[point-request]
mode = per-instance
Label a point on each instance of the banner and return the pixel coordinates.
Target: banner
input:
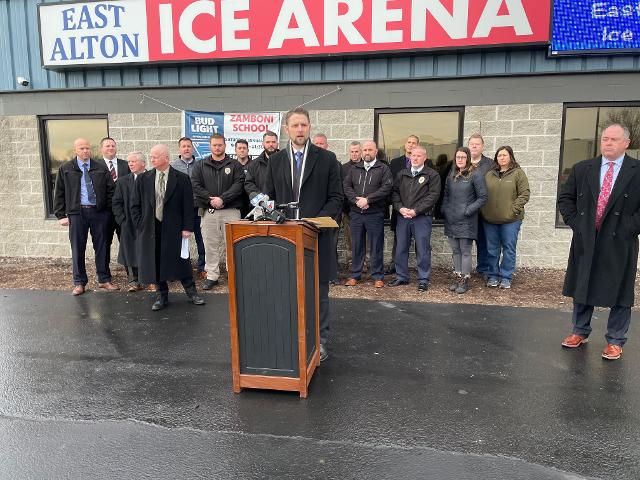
(149, 31)
(595, 27)
(251, 127)
(199, 126)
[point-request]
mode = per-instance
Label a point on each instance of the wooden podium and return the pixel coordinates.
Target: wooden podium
(273, 304)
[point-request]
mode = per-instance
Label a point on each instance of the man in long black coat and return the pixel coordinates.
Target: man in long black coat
(121, 207)
(162, 210)
(601, 203)
(304, 173)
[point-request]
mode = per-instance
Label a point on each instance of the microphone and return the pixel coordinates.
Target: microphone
(264, 209)
(262, 200)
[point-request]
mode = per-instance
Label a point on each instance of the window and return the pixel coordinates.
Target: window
(582, 127)
(57, 134)
(440, 131)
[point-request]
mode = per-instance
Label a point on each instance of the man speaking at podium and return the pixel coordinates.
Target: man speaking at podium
(309, 175)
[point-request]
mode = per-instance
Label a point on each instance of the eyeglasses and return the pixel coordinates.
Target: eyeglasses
(463, 157)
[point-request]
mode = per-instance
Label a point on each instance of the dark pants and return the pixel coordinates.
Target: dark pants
(80, 224)
(482, 265)
(197, 233)
(323, 288)
(419, 228)
(335, 233)
(112, 227)
(162, 287)
(132, 273)
(394, 247)
(617, 325)
(362, 225)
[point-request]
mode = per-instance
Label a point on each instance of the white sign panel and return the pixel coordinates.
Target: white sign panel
(250, 127)
(108, 32)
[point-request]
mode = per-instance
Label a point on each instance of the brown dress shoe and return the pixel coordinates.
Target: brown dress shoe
(151, 287)
(202, 274)
(77, 290)
(351, 282)
(573, 340)
(107, 287)
(612, 352)
(378, 283)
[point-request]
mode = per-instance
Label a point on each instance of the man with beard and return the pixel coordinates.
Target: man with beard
(367, 186)
(217, 184)
(309, 175)
(256, 176)
(242, 157)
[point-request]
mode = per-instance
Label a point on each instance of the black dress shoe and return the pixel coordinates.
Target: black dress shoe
(209, 284)
(324, 353)
(159, 305)
(423, 286)
(396, 282)
(196, 300)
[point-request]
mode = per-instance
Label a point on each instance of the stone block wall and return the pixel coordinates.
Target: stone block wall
(532, 130)
(24, 231)
(534, 133)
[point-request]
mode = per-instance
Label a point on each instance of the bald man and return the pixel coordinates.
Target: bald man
(82, 202)
(162, 211)
(367, 187)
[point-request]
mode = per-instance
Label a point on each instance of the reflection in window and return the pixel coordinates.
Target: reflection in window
(439, 131)
(582, 128)
(58, 135)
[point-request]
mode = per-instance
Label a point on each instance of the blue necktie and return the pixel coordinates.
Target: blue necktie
(298, 161)
(296, 176)
(91, 194)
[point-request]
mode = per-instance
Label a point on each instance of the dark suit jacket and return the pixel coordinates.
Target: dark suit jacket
(66, 199)
(397, 165)
(121, 206)
(177, 215)
(320, 194)
(602, 264)
(122, 167)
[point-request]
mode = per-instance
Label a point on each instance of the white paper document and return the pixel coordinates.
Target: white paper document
(184, 252)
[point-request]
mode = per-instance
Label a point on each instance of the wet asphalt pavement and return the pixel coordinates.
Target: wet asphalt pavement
(101, 387)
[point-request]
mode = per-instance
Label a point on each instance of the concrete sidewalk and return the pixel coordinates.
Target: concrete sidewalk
(101, 387)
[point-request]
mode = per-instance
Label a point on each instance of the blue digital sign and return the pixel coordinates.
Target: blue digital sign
(581, 26)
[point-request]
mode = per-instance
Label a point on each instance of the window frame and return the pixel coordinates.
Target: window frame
(45, 161)
(565, 106)
(455, 108)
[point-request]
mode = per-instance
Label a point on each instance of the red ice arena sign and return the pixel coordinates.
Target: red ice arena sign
(151, 31)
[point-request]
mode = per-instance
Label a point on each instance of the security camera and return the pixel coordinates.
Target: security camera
(22, 81)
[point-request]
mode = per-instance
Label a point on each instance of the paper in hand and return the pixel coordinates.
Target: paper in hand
(184, 252)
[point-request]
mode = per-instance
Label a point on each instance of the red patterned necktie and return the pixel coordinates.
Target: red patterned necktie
(114, 174)
(605, 191)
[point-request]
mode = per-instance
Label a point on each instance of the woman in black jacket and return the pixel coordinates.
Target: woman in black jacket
(464, 193)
